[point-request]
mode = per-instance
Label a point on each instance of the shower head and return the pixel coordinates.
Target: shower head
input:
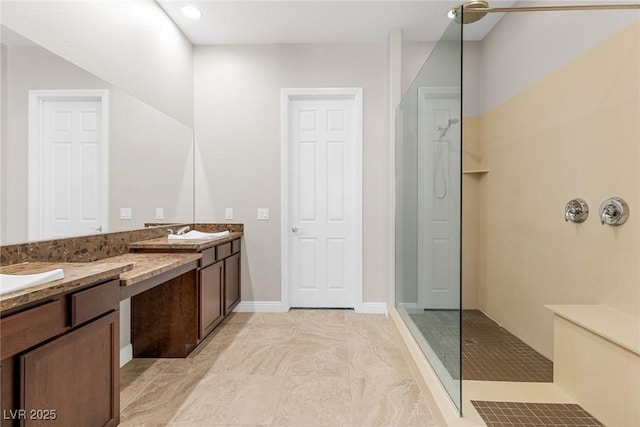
(471, 11)
(443, 130)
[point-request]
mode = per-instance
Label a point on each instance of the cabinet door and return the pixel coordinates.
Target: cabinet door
(211, 309)
(231, 282)
(75, 379)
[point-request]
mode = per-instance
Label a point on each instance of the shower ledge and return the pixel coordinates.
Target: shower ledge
(620, 328)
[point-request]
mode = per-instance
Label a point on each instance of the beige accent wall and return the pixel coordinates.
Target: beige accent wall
(473, 210)
(573, 133)
(237, 122)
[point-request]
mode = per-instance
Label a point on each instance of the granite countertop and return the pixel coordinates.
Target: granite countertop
(76, 275)
(163, 243)
(147, 265)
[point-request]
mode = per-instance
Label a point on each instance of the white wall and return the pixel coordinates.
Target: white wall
(524, 47)
(3, 135)
(133, 45)
(237, 122)
(414, 55)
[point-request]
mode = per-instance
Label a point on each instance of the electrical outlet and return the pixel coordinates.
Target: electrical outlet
(125, 213)
(159, 213)
(228, 213)
(263, 213)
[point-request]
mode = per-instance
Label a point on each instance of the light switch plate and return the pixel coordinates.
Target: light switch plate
(263, 214)
(228, 213)
(125, 213)
(159, 213)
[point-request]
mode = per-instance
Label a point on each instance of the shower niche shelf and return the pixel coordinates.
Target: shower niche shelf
(476, 172)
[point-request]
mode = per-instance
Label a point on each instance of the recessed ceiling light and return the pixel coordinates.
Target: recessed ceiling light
(191, 12)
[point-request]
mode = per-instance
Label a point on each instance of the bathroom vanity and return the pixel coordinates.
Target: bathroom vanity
(59, 341)
(59, 347)
(192, 305)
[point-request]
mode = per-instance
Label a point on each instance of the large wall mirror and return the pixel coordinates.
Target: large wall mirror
(80, 156)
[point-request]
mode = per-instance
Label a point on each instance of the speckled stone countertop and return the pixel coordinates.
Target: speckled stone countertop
(146, 266)
(163, 243)
(76, 275)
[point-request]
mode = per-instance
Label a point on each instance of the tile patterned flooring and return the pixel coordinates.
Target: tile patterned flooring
(489, 352)
(302, 368)
(499, 414)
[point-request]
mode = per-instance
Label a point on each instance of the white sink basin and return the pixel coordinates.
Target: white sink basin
(16, 282)
(197, 235)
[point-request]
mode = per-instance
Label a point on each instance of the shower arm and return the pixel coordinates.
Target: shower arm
(547, 8)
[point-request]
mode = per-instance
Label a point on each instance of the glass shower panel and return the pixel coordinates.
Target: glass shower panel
(428, 225)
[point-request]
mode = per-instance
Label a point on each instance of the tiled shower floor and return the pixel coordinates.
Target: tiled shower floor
(499, 414)
(489, 352)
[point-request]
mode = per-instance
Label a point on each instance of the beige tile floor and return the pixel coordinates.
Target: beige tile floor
(302, 368)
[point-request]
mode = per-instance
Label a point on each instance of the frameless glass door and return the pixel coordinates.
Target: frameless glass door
(428, 217)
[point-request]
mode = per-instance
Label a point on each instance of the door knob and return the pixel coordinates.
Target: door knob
(295, 229)
(98, 228)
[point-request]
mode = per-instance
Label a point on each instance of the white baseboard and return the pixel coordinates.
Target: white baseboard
(278, 307)
(126, 354)
(409, 307)
(260, 307)
(372, 308)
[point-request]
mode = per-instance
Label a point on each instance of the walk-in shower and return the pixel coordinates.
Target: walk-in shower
(482, 245)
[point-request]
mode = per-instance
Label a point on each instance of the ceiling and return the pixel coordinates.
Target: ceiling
(313, 21)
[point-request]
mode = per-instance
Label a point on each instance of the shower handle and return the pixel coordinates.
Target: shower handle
(614, 211)
(576, 211)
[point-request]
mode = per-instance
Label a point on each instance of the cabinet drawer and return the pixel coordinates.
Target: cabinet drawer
(223, 251)
(23, 330)
(208, 257)
(94, 302)
(235, 246)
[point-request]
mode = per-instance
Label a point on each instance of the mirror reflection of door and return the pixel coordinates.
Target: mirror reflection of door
(67, 163)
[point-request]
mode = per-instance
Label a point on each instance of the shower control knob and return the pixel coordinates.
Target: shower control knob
(576, 211)
(614, 211)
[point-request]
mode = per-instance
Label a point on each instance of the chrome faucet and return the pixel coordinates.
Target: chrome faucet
(179, 231)
(183, 230)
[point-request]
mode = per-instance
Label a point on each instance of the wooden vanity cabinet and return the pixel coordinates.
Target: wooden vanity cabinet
(211, 289)
(232, 281)
(214, 295)
(60, 360)
(219, 284)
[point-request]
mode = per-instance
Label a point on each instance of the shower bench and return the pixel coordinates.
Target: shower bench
(596, 360)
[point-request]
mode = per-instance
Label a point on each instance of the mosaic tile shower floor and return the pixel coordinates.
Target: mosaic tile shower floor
(502, 414)
(489, 352)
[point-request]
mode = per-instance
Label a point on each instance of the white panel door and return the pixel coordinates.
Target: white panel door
(439, 181)
(72, 169)
(322, 188)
